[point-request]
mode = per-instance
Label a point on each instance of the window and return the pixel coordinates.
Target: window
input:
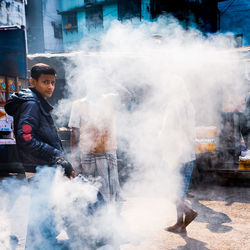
(70, 21)
(57, 30)
(238, 40)
(129, 9)
(94, 17)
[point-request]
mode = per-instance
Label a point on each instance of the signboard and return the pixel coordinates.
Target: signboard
(13, 52)
(6, 133)
(5, 121)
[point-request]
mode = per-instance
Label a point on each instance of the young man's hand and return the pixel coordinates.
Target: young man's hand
(66, 165)
(73, 174)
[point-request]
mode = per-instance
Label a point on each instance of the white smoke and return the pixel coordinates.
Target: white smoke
(69, 210)
(4, 232)
(159, 69)
(156, 77)
(150, 73)
(13, 209)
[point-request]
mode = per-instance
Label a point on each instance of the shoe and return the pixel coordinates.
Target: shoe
(190, 195)
(180, 229)
(189, 217)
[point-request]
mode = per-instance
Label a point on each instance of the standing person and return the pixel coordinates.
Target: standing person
(93, 141)
(37, 140)
(179, 124)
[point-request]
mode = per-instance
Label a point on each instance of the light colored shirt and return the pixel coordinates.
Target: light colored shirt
(96, 121)
(179, 130)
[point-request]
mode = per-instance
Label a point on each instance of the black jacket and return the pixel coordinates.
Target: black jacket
(37, 140)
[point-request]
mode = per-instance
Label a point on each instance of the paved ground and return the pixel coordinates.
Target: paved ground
(223, 221)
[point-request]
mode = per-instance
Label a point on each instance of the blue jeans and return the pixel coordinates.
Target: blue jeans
(186, 173)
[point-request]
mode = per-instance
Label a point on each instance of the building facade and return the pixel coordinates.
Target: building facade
(235, 17)
(12, 12)
(44, 26)
(86, 19)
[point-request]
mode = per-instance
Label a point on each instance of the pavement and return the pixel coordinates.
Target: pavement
(223, 221)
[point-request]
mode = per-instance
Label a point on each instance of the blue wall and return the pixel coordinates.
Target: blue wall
(71, 4)
(236, 18)
(110, 13)
(34, 27)
(72, 38)
(145, 10)
(41, 16)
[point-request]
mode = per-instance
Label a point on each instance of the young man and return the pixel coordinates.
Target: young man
(38, 144)
(93, 141)
(37, 140)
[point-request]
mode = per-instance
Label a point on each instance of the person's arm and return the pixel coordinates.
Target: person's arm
(75, 138)
(27, 127)
(27, 136)
(75, 150)
(74, 124)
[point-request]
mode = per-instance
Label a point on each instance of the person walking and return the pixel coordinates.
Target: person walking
(179, 129)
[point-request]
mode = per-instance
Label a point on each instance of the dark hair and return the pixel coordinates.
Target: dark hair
(41, 68)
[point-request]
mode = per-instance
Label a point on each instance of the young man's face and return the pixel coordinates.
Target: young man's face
(45, 85)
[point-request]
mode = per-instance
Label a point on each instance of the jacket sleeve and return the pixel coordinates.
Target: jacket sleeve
(27, 129)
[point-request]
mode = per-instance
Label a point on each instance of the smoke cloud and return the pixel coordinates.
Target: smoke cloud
(156, 69)
(166, 80)
(160, 72)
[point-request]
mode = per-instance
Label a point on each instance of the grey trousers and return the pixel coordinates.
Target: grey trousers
(103, 166)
